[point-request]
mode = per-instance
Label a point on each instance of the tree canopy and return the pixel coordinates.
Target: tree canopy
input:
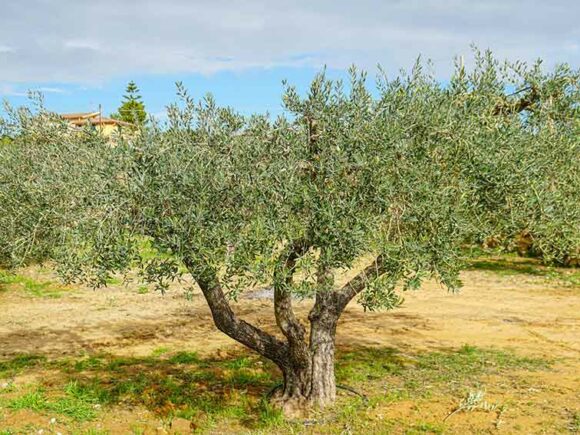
(392, 183)
(132, 109)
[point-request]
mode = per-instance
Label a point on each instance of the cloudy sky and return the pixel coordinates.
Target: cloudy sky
(81, 53)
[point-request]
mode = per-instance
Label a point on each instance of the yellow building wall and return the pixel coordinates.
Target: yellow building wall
(107, 129)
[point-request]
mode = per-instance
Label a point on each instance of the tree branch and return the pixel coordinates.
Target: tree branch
(286, 320)
(519, 106)
(359, 283)
(226, 321)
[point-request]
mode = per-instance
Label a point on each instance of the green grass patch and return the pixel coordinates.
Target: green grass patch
(455, 372)
(425, 428)
(238, 363)
(216, 393)
(76, 403)
(113, 280)
(416, 376)
(33, 401)
(369, 364)
(46, 289)
(143, 290)
(185, 358)
(574, 425)
(17, 364)
(244, 377)
(268, 416)
(90, 363)
(470, 360)
(160, 351)
(182, 384)
(118, 364)
(507, 265)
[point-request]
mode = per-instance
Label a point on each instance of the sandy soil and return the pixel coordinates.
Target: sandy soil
(529, 315)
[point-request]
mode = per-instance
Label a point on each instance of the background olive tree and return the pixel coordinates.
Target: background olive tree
(524, 162)
(390, 184)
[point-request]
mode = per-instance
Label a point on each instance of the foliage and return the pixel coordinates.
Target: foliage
(408, 173)
(37, 181)
(472, 402)
(132, 109)
(524, 166)
(5, 140)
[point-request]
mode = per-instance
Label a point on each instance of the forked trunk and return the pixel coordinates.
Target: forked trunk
(308, 368)
(310, 382)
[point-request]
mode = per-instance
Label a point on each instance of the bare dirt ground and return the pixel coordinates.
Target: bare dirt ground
(524, 314)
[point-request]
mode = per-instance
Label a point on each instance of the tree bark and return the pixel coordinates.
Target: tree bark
(297, 369)
(318, 387)
(323, 320)
(312, 383)
(226, 321)
(311, 380)
(308, 368)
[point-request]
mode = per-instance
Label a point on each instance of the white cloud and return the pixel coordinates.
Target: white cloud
(8, 90)
(49, 90)
(11, 90)
(83, 42)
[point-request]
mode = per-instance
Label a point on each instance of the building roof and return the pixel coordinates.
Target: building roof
(95, 118)
(80, 115)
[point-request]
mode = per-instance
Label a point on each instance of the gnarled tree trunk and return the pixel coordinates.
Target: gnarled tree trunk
(310, 381)
(307, 367)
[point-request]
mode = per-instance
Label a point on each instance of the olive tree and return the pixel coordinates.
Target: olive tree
(380, 183)
(523, 164)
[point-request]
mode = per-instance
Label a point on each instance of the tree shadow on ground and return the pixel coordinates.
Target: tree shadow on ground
(177, 385)
(235, 387)
(508, 265)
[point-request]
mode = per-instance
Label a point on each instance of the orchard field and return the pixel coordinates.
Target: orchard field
(502, 356)
(396, 258)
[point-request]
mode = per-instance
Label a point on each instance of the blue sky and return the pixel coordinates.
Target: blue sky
(81, 54)
(249, 91)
